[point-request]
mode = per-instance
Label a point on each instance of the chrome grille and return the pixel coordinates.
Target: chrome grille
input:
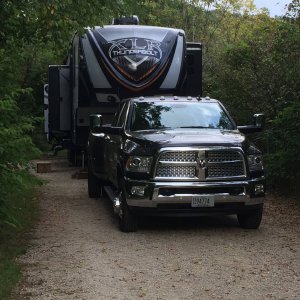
(200, 164)
(176, 171)
(184, 156)
(220, 156)
(226, 170)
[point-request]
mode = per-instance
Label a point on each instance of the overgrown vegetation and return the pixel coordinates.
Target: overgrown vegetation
(20, 211)
(251, 62)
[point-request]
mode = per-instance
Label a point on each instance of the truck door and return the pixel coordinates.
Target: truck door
(115, 146)
(97, 145)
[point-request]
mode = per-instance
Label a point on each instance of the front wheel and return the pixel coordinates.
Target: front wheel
(252, 219)
(94, 185)
(127, 221)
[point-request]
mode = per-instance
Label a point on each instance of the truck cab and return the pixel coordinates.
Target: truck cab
(176, 156)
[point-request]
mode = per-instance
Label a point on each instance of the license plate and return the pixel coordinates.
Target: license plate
(203, 201)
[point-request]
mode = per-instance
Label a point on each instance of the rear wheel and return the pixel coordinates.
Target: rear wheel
(252, 219)
(127, 221)
(94, 185)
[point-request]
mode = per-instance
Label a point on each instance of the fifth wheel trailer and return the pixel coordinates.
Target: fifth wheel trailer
(108, 64)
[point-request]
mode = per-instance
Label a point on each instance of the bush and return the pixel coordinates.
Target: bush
(282, 142)
(20, 211)
(16, 149)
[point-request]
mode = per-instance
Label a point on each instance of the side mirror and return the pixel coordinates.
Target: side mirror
(95, 121)
(259, 120)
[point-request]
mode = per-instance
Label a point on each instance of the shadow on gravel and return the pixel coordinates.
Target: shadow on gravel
(169, 223)
(175, 223)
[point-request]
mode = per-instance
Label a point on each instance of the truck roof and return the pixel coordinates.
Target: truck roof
(173, 99)
(139, 27)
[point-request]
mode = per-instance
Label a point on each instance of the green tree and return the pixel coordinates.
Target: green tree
(33, 34)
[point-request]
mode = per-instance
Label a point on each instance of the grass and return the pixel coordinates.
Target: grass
(21, 206)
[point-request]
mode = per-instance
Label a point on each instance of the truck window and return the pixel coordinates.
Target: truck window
(159, 115)
(122, 116)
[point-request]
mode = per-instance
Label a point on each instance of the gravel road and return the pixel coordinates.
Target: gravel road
(77, 252)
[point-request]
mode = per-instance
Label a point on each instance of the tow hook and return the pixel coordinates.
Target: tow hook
(116, 205)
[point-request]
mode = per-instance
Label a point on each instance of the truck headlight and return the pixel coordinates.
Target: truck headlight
(255, 163)
(140, 164)
(129, 146)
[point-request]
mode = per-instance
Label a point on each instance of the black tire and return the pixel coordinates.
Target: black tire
(127, 221)
(252, 219)
(94, 185)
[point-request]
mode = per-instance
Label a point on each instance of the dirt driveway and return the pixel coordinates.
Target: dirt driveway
(77, 252)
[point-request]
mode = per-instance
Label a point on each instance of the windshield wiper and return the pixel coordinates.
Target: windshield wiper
(195, 127)
(161, 127)
(152, 129)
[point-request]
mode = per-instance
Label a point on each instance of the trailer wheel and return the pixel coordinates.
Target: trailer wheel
(74, 158)
(251, 220)
(94, 185)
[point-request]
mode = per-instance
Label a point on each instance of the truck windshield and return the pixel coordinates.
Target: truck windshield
(160, 115)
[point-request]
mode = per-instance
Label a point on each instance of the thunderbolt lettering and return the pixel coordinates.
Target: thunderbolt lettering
(130, 52)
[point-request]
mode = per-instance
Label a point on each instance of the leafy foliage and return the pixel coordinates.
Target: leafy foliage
(16, 148)
(283, 141)
(257, 71)
(33, 34)
(22, 213)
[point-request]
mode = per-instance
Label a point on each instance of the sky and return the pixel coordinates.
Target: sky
(276, 7)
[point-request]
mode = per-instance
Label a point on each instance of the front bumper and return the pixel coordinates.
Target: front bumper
(229, 196)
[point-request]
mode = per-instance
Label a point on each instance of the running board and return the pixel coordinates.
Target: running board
(115, 199)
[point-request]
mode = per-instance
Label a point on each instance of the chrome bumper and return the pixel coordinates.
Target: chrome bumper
(153, 197)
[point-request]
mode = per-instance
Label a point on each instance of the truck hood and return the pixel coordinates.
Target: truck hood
(188, 137)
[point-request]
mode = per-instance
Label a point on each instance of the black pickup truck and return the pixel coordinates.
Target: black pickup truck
(176, 156)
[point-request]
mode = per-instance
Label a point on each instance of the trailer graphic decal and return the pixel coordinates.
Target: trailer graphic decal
(135, 57)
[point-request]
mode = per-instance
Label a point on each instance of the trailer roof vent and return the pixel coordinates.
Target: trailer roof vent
(175, 98)
(133, 20)
(189, 98)
(207, 98)
(141, 98)
(162, 98)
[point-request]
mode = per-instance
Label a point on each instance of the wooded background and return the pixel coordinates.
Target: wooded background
(251, 63)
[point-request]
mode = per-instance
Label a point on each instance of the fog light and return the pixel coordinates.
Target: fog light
(138, 190)
(259, 189)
